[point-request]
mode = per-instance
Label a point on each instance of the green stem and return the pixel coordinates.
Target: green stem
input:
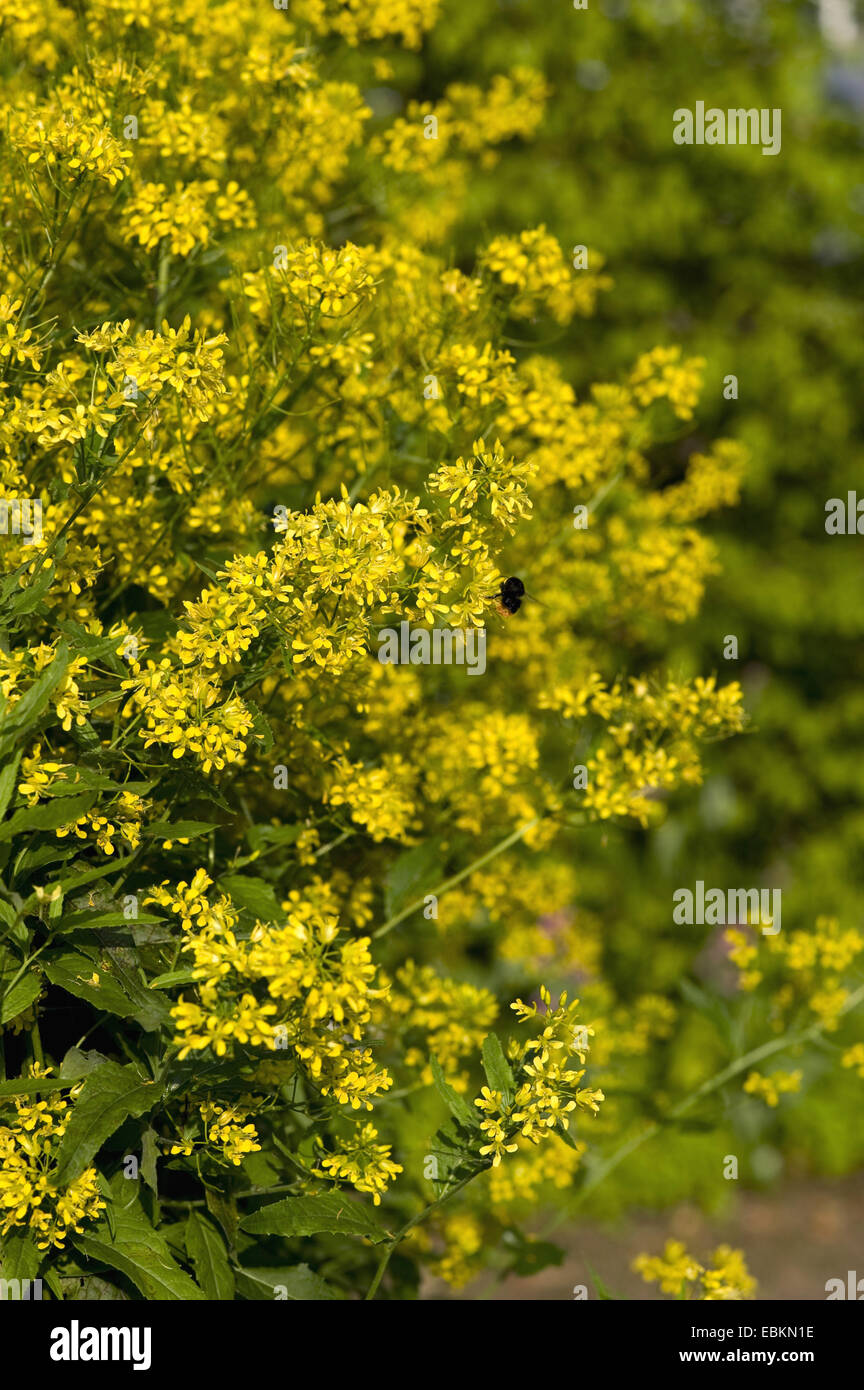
(325, 849)
(457, 878)
(162, 284)
(757, 1054)
(409, 1226)
(36, 1040)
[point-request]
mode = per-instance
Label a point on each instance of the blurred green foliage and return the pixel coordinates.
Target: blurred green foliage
(755, 263)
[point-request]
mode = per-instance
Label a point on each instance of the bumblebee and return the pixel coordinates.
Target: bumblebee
(510, 597)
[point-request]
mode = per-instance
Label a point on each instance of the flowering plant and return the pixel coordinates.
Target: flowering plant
(266, 903)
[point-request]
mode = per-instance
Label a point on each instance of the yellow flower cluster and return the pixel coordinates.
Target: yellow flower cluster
(662, 374)
(183, 710)
(452, 1018)
(810, 965)
(367, 1166)
(533, 267)
(546, 1090)
(124, 820)
(29, 1196)
(678, 1273)
(368, 19)
(294, 988)
(378, 798)
(265, 416)
(181, 218)
(225, 1136)
(771, 1088)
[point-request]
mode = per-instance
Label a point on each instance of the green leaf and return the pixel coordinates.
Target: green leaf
(8, 779)
(110, 1095)
(261, 730)
(254, 894)
(150, 1010)
(267, 836)
(528, 1255)
(106, 977)
(27, 599)
(294, 1283)
(180, 830)
(29, 860)
(88, 779)
(496, 1066)
(74, 973)
(206, 1249)
(32, 705)
(30, 1086)
(76, 1063)
(307, 1216)
(454, 1102)
(78, 921)
(149, 1155)
(567, 1137)
(78, 879)
(19, 997)
(19, 1258)
(453, 1149)
(61, 811)
(141, 1253)
(92, 1289)
(223, 1205)
(415, 872)
(174, 977)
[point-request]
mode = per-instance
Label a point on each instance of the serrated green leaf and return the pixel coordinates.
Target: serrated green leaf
(78, 879)
(266, 836)
(76, 1063)
(109, 1096)
(174, 977)
(47, 817)
(75, 973)
(19, 997)
(27, 599)
(179, 830)
(141, 1253)
(496, 1066)
(452, 1150)
(454, 1102)
(8, 781)
(91, 1289)
(149, 1155)
(19, 1258)
(32, 1086)
(307, 1216)
(224, 1207)
(256, 895)
(91, 920)
(206, 1249)
(293, 1283)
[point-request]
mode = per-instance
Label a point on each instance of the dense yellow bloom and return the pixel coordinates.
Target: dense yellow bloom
(183, 711)
(533, 266)
(29, 1196)
(675, 1270)
(268, 406)
(661, 373)
(770, 1088)
(546, 1090)
(365, 1164)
